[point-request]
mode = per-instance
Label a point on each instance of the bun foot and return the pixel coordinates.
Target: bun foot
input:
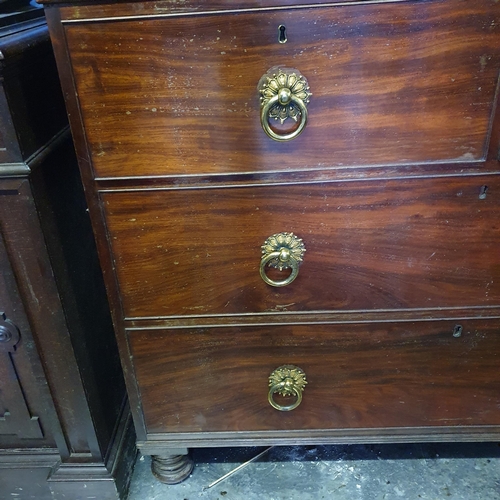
(171, 469)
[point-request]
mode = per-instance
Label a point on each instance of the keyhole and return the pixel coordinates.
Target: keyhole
(482, 192)
(457, 331)
(282, 34)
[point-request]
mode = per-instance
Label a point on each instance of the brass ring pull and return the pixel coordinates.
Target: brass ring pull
(277, 388)
(287, 380)
(265, 120)
(284, 94)
(280, 256)
(281, 251)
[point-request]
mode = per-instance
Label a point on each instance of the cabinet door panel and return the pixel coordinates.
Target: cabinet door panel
(18, 391)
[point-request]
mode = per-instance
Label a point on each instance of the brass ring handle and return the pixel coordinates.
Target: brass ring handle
(272, 256)
(281, 251)
(264, 118)
(277, 388)
(287, 380)
(284, 94)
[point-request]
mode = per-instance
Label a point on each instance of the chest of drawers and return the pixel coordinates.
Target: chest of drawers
(297, 208)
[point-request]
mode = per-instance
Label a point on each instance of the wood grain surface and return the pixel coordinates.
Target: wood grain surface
(88, 9)
(359, 376)
(184, 187)
(392, 83)
(369, 245)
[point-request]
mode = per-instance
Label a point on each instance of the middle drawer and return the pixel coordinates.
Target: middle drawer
(413, 243)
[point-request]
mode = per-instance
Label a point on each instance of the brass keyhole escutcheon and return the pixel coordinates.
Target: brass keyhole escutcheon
(284, 95)
(287, 380)
(282, 251)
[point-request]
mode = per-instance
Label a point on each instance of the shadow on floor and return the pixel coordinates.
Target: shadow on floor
(450, 471)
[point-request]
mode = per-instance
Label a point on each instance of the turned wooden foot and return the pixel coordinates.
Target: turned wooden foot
(171, 469)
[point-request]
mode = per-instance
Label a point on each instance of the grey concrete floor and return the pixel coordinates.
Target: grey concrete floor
(458, 471)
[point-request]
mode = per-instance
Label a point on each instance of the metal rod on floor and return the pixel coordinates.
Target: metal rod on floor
(225, 476)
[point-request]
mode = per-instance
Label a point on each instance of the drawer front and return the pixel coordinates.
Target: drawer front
(420, 243)
(358, 376)
(392, 83)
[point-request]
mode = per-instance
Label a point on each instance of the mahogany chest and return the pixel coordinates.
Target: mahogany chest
(297, 206)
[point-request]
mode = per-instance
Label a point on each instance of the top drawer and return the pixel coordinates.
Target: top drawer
(392, 83)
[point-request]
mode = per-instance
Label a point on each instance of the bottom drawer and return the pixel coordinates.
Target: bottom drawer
(358, 376)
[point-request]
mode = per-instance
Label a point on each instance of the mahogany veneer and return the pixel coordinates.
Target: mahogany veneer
(399, 83)
(360, 376)
(370, 245)
(393, 186)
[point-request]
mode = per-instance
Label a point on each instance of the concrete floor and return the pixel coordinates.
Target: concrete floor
(356, 472)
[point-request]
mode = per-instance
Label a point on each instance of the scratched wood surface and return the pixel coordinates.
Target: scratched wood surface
(392, 83)
(369, 245)
(96, 9)
(359, 376)
(164, 91)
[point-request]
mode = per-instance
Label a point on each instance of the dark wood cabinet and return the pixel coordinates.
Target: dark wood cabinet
(65, 429)
(296, 205)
